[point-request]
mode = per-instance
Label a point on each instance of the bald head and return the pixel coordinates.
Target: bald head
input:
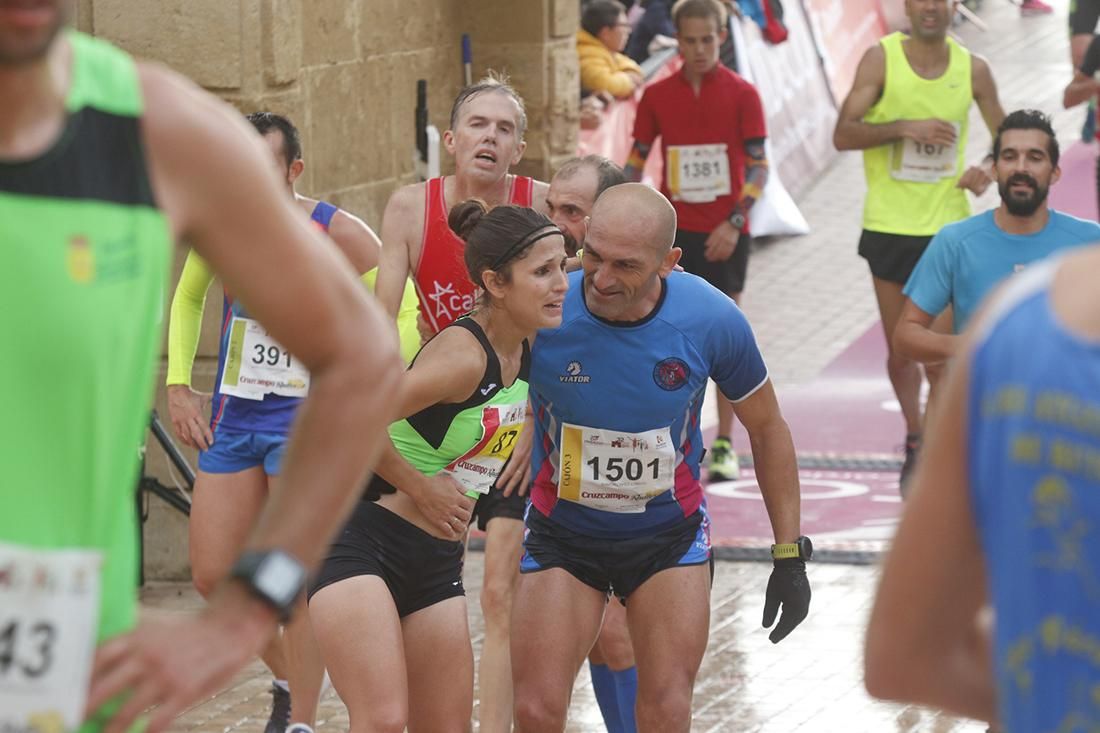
(639, 212)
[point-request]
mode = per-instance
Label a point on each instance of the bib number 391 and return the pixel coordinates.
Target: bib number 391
(256, 364)
(49, 608)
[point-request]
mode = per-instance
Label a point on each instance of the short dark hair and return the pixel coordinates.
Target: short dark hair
(496, 237)
(1028, 119)
(265, 122)
(607, 173)
(699, 9)
(493, 82)
(599, 14)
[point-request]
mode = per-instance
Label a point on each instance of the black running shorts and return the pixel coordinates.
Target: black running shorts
(616, 566)
(1083, 17)
(892, 257)
(496, 504)
(728, 275)
(420, 570)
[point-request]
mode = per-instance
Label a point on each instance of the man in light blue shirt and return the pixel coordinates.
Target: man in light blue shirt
(965, 260)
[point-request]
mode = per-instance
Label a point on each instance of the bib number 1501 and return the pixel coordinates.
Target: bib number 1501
(614, 469)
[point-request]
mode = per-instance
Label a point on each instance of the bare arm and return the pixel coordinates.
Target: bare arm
(215, 182)
(852, 133)
(773, 460)
(402, 225)
(924, 641)
(356, 240)
(1081, 89)
(447, 370)
(985, 94)
(914, 337)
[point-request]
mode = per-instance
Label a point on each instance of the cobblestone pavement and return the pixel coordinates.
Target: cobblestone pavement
(808, 298)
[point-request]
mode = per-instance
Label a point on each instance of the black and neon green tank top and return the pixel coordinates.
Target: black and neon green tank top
(86, 260)
(471, 439)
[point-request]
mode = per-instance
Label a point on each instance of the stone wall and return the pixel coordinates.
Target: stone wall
(345, 71)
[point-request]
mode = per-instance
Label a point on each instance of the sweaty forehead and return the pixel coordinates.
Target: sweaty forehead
(492, 105)
(578, 189)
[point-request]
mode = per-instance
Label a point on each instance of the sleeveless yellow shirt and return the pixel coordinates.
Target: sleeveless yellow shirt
(911, 187)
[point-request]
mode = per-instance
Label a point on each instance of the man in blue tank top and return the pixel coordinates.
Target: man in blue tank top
(1004, 512)
(967, 259)
(244, 440)
(617, 505)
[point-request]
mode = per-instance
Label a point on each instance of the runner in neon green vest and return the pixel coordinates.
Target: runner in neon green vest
(908, 111)
(103, 164)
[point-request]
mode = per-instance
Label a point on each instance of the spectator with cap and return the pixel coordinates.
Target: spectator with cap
(603, 35)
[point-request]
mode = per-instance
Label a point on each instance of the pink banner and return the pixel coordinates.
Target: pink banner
(843, 31)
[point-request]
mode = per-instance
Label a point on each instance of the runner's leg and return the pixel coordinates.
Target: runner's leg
(503, 550)
(224, 507)
(440, 662)
(669, 620)
(561, 617)
(905, 374)
(614, 650)
(360, 638)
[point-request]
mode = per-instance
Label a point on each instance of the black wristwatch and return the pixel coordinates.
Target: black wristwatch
(737, 219)
(274, 577)
(801, 548)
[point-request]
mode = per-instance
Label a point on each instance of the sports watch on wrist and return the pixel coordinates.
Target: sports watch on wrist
(273, 576)
(801, 548)
(737, 219)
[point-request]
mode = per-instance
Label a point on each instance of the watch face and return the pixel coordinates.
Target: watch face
(279, 577)
(806, 548)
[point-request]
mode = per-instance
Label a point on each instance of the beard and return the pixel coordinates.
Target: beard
(1022, 206)
(23, 48)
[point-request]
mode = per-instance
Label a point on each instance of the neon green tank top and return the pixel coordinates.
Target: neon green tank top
(911, 187)
(472, 439)
(86, 260)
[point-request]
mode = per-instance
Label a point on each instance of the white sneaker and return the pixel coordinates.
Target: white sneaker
(298, 728)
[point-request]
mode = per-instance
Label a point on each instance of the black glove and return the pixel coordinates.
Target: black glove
(788, 586)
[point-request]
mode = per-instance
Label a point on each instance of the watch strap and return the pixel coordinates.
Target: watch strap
(785, 551)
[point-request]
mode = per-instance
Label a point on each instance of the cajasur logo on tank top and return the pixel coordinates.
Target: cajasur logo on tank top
(101, 262)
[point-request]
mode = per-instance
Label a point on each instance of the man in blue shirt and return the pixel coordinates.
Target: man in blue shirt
(1004, 515)
(616, 503)
(965, 260)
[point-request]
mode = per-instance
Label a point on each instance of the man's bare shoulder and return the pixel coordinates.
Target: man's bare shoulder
(539, 191)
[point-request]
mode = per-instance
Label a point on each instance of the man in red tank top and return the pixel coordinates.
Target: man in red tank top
(486, 139)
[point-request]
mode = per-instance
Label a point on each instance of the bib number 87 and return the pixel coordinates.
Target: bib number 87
(38, 639)
(615, 468)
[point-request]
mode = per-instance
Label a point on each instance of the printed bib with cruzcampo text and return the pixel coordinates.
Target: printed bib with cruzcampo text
(698, 174)
(49, 608)
(478, 468)
(615, 471)
(925, 162)
(256, 364)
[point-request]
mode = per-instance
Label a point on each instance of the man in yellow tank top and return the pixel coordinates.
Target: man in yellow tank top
(908, 111)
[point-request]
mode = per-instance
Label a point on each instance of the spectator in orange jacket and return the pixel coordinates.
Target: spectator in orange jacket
(603, 35)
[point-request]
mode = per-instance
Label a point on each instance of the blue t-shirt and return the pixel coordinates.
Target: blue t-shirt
(274, 413)
(602, 391)
(967, 259)
(1034, 472)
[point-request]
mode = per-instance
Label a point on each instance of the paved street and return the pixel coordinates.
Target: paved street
(809, 299)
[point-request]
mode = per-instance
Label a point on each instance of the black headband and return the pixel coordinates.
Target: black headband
(526, 241)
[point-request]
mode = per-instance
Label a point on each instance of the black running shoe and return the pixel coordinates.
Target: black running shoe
(912, 451)
(280, 711)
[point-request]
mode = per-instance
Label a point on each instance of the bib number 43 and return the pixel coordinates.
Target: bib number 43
(26, 649)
